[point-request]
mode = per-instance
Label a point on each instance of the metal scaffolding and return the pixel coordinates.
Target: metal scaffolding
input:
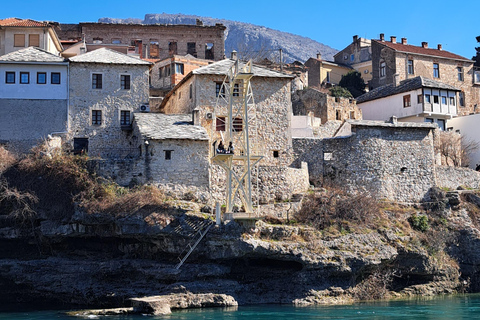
(236, 92)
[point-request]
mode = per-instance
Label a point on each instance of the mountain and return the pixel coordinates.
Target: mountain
(248, 39)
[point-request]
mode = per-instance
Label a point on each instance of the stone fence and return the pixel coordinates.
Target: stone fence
(454, 177)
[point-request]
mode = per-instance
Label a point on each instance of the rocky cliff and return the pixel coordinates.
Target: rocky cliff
(247, 38)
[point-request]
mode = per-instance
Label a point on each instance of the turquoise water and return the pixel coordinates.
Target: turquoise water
(453, 307)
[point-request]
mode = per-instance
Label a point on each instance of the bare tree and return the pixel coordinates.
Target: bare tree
(455, 149)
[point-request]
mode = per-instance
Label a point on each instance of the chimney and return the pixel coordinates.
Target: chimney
(234, 55)
(439, 46)
(424, 44)
(382, 37)
(396, 79)
(355, 38)
(393, 39)
(404, 40)
(319, 56)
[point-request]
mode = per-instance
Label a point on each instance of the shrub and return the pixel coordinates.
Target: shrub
(375, 286)
(419, 222)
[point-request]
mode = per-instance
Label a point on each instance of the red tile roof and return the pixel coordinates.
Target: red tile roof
(16, 22)
(420, 50)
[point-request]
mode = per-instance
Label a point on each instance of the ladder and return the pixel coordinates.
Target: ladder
(193, 243)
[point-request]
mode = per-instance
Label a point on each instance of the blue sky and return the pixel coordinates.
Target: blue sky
(451, 23)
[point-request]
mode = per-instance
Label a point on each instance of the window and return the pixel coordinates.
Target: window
(461, 97)
(460, 73)
(209, 51)
(41, 77)
(97, 40)
(167, 71)
(220, 124)
(436, 70)
(34, 40)
(419, 99)
(452, 101)
(124, 82)
(237, 124)
(444, 100)
(338, 115)
(9, 77)
(275, 153)
(406, 101)
(24, 77)
(477, 77)
(441, 124)
(435, 99)
(160, 73)
(96, 81)
(430, 120)
(172, 48)
(352, 57)
(179, 68)
(179, 95)
(410, 66)
(96, 117)
(428, 99)
(168, 154)
(55, 78)
(328, 76)
(116, 41)
(80, 145)
(19, 40)
(190, 91)
(382, 69)
(124, 117)
(236, 90)
(352, 114)
(219, 90)
(191, 49)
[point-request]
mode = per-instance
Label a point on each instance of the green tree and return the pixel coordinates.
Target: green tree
(353, 82)
(339, 92)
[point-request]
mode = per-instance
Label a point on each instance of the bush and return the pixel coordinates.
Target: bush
(339, 92)
(419, 222)
(375, 286)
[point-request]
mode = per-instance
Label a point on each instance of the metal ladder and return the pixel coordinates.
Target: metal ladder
(196, 240)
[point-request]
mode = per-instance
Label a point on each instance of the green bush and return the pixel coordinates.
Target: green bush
(419, 222)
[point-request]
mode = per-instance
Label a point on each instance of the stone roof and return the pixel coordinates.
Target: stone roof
(104, 55)
(408, 48)
(221, 68)
(404, 86)
(389, 124)
(16, 22)
(159, 126)
(31, 54)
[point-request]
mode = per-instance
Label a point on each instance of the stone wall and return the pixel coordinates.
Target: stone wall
(107, 139)
(388, 162)
(454, 177)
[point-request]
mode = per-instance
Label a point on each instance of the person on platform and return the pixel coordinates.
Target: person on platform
(230, 148)
(221, 148)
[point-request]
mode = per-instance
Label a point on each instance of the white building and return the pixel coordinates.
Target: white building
(33, 96)
(413, 100)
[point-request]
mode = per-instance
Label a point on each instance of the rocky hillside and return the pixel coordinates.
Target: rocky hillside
(246, 37)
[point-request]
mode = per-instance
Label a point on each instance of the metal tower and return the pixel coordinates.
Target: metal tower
(236, 93)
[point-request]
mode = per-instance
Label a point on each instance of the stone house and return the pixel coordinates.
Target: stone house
(167, 73)
(16, 34)
(394, 161)
(416, 99)
(409, 61)
(357, 55)
(33, 96)
(106, 87)
(152, 41)
(322, 72)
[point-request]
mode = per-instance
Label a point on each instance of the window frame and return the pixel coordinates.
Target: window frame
(219, 90)
(444, 100)
(125, 82)
(460, 75)
(52, 77)
(237, 124)
(45, 79)
(428, 98)
(97, 81)
(452, 101)
(7, 73)
(179, 68)
(96, 118)
(436, 70)
(410, 67)
(125, 117)
(383, 69)
(220, 123)
(436, 99)
(168, 154)
(461, 99)
(17, 39)
(407, 101)
(24, 73)
(36, 42)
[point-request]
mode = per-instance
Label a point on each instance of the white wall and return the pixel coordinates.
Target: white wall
(469, 128)
(33, 90)
(383, 109)
(46, 41)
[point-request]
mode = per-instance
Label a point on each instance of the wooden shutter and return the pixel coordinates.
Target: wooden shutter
(19, 40)
(34, 40)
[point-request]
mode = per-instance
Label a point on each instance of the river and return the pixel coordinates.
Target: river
(449, 307)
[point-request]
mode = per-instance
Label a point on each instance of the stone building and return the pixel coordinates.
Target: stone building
(394, 161)
(167, 73)
(322, 72)
(106, 87)
(33, 96)
(152, 41)
(16, 34)
(417, 99)
(357, 55)
(408, 61)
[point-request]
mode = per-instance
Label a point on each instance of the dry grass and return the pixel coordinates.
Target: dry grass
(375, 286)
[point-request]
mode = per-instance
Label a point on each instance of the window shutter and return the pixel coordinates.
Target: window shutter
(34, 40)
(19, 40)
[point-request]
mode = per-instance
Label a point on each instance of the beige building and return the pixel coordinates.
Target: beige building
(357, 55)
(323, 73)
(16, 34)
(106, 87)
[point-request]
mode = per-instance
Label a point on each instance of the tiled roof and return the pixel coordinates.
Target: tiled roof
(104, 55)
(31, 54)
(404, 86)
(420, 50)
(221, 68)
(332, 63)
(159, 126)
(373, 123)
(16, 22)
